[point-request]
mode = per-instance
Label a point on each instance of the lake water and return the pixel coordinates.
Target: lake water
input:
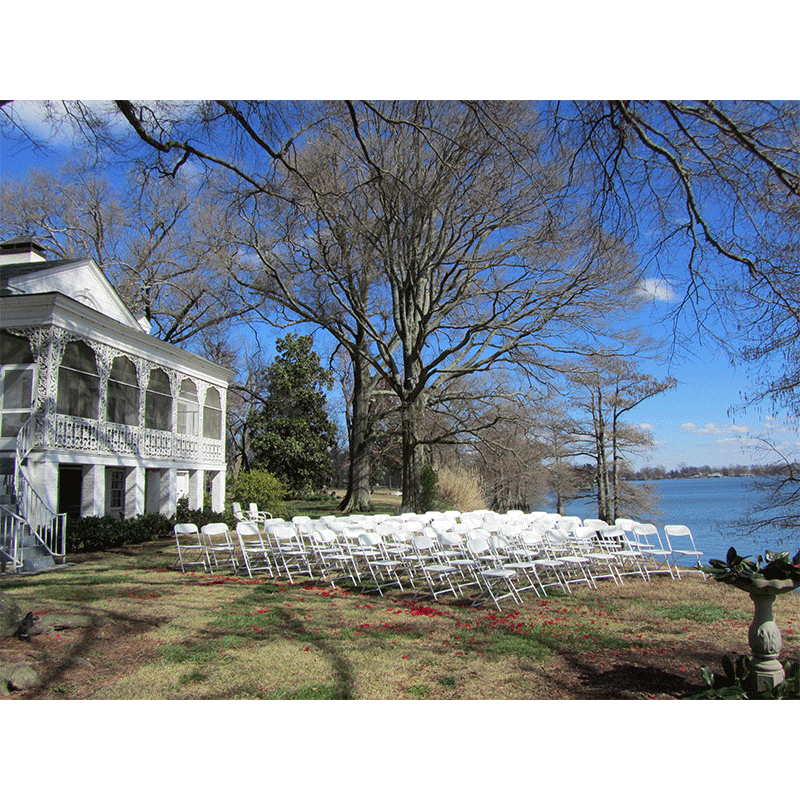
(708, 507)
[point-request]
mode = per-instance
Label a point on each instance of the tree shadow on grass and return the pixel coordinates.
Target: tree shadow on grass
(626, 681)
(342, 669)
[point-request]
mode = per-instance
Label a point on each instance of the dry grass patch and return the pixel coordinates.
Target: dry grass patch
(173, 636)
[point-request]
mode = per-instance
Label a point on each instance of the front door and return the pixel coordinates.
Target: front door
(70, 491)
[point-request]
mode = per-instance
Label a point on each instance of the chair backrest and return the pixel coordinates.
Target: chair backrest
(283, 531)
(247, 529)
(478, 545)
(625, 523)
(386, 528)
(645, 533)
(582, 533)
(442, 524)
(236, 507)
(322, 536)
(215, 529)
(499, 544)
(677, 530)
(422, 543)
(412, 526)
(449, 539)
(185, 527)
(369, 539)
(254, 508)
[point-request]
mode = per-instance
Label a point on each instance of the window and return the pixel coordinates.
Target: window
(78, 382)
(158, 402)
(16, 382)
(123, 393)
(115, 488)
(188, 408)
(212, 415)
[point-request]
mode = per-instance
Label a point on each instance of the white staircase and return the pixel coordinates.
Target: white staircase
(32, 535)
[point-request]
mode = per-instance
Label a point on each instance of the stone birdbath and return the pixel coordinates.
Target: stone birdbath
(778, 575)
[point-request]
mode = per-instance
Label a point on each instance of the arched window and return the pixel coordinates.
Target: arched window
(188, 408)
(16, 380)
(123, 393)
(78, 382)
(158, 402)
(212, 415)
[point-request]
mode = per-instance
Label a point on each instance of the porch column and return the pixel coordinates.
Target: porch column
(218, 491)
(134, 492)
(169, 492)
(196, 488)
(93, 500)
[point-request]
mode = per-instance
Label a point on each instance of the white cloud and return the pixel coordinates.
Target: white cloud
(712, 429)
(657, 289)
(48, 120)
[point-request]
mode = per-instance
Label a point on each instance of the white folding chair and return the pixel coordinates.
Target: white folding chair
(686, 550)
(255, 549)
(630, 560)
(260, 517)
(332, 561)
(289, 550)
(423, 560)
(648, 540)
(218, 545)
(452, 549)
(189, 545)
(491, 574)
(382, 568)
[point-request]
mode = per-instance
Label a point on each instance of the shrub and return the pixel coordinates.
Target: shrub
(263, 488)
(197, 516)
(460, 489)
(89, 534)
(92, 534)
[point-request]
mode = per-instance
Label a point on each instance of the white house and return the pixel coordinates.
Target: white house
(97, 417)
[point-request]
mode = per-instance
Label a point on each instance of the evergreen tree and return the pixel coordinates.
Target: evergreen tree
(292, 436)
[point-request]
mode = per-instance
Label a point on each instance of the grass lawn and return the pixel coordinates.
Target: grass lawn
(162, 634)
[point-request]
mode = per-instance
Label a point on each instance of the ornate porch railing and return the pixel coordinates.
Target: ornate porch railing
(96, 436)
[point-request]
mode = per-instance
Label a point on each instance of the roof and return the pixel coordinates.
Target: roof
(27, 267)
(24, 242)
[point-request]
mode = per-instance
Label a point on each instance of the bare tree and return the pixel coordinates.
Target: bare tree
(433, 240)
(605, 390)
(158, 241)
(444, 255)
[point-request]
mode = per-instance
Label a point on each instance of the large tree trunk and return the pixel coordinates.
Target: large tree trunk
(357, 497)
(413, 454)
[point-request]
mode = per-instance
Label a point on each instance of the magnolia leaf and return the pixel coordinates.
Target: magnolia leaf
(727, 665)
(732, 556)
(774, 556)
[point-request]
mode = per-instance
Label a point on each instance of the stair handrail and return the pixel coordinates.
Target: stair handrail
(11, 532)
(46, 524)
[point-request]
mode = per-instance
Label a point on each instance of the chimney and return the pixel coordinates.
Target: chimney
(21, 250)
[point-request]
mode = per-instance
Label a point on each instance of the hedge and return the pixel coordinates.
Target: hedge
(91, 534)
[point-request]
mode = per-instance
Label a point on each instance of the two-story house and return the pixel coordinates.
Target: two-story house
(97, 417)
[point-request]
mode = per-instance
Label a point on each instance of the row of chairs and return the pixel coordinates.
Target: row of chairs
(493, 556)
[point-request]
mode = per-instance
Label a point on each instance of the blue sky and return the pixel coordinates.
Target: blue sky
(690, 424)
